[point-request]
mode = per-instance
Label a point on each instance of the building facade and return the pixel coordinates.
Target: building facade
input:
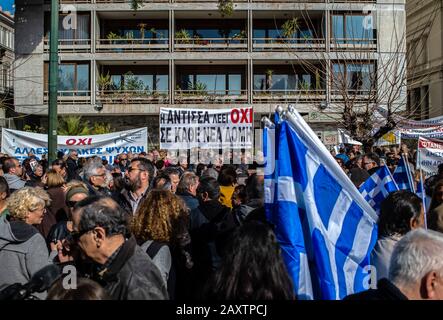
(425, 57)
(121, 66)
(6, 63)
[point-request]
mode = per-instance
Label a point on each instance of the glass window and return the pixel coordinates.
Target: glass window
(66, 77)
(215, 83)
(259, 82)
(259, 35)
(279, 82)
(83, 78)
(234, 81)
(355, 29)
(162, 84)
(305, 82)
(337, 27)
(116, 80)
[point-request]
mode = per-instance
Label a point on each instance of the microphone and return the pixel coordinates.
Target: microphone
(42, 280)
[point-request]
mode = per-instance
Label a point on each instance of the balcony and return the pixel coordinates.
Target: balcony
(128, 1)
(288, 96)
(70, 45)
(70, 97)
(354, 95)
(211, 44)
(353, 44)
(210, 96)
(132, 45)
(283, 44)
(133, 97)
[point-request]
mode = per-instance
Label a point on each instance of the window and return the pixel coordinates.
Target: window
(283, 81)
(67, 30)
(140, 82)
(73, 79)
(218, 83)
(351, 28)
(358, 78)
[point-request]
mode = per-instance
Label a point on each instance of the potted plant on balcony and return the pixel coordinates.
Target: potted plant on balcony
(142, 27)
(240, 36)
(113, 37)
(304, 87)
(269, 73)
(290, 27)
(104, 82)
(182, 36)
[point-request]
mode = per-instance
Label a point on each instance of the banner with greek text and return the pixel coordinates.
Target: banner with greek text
(206, 128)
(430, 155)
(107, 146)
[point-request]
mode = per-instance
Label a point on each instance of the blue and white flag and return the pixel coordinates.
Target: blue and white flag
(378, 187)
(325, 228)
(403, 176)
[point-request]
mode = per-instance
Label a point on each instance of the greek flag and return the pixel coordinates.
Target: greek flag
(403, 175)
(325, 228)
(378, 187)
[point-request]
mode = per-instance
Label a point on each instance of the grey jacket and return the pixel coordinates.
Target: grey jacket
(381, 255)
(23, 252)
(14, 182)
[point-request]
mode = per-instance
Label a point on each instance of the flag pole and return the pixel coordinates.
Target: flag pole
(423, 193)
(408, 172)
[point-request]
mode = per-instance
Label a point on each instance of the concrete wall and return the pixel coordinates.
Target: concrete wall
(28, 69)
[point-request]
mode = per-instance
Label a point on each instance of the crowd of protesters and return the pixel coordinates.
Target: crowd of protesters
(145, 227)
(142, 227)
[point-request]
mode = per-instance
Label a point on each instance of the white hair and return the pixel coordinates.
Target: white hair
(417, 253)
(91, 169)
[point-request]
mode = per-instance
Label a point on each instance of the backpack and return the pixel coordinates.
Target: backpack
(152, 251)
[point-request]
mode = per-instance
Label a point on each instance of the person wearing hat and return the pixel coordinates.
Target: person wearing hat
(435, 219)
(61, 232)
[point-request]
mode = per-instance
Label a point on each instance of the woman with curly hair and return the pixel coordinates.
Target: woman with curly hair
(23, 249)
(160, 227)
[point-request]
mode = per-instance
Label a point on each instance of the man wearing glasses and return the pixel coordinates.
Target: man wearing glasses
(371, 162)
(95, 177)
(12, 172)
(138, 177)
(124, 270)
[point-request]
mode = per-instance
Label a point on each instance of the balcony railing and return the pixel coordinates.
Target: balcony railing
(274, 44)
(71, 96)
(128, 1)
(71, 1)
(211, 44)
(133, 96)
(354, 94)
(70, 45)
(132, 45)
(211, 96)
(264, 96)
(352, 44)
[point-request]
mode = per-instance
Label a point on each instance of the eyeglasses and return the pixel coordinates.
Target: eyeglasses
(99, 175)
(132, 169)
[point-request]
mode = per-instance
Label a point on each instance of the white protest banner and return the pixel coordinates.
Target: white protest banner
(435, 132)
(107, 146)
(430, 155)
(182, 129)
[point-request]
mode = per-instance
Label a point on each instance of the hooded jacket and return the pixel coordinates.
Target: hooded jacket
(14, 182)
(23, 252)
